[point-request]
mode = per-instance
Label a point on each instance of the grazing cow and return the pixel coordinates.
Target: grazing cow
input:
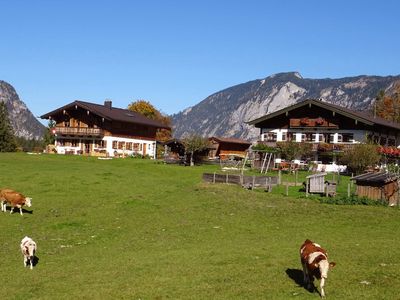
(28, 249)
(15, 199)
(314, 260)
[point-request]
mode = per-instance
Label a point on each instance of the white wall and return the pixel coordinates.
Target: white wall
(150, 146)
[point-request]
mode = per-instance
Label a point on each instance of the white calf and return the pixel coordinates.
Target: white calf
(28, 249)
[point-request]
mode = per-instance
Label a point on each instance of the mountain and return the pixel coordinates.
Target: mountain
(22, 120)
(224, 113)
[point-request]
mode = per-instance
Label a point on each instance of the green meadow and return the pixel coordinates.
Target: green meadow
(138, 229)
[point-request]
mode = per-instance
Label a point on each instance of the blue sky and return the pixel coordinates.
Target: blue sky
(176, 53)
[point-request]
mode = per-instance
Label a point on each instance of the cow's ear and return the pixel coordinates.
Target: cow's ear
(332, 264)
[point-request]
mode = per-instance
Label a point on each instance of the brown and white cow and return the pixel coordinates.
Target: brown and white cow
(15, 199)
(314, 260)
(28, 249)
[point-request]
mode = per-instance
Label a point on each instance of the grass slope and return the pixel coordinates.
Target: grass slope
(135, 229)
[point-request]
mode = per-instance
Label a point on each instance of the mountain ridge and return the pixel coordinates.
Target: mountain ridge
(21, 118)
(226, 112)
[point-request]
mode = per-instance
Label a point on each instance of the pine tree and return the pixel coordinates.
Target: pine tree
(7, 138)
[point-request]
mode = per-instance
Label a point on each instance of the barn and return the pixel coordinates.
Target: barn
(224, 148)
(378, 186)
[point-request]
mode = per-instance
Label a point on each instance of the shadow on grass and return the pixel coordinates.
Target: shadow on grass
(16, 210)
(35, 261)
(297, 276)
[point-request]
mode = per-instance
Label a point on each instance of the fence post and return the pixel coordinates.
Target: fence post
(214, 178)
(296, 175)
(348, 190)
(287, 188)
(306, 188)
(279, 177)
(351, 181)
(326, 189)
(254, 181)
(226, 180)
(269, 185)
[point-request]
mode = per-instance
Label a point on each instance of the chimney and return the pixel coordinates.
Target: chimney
(108, 103)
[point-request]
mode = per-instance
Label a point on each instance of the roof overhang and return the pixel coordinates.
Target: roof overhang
(310, 103)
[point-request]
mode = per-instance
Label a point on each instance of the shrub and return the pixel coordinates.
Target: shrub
(352, 200)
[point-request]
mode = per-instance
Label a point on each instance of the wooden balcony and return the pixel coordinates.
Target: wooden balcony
(318, 147)
(79, 131)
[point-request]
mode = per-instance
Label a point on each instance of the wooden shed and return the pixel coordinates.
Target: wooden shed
(378, 186)
(316, 183)
(224, 148)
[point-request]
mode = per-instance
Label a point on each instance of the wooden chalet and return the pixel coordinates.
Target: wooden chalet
(326, 126)
(379, 186)
(224, 148)
(93, 129)
(174, 150)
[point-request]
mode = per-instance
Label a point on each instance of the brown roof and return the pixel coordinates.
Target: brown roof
(360, 116)
(380, 177)
(112, 114)
(230, 140)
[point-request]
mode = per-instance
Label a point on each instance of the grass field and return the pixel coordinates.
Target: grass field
(136, 229)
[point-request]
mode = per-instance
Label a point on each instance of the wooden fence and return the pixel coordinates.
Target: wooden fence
(246, 181)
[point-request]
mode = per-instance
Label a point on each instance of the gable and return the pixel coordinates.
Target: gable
(320, 114)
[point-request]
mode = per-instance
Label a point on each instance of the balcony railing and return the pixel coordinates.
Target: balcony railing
(320, 147)
(79, 131)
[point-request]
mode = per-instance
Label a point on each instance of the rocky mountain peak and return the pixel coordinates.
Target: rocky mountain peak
(22, 120)
(225, 113)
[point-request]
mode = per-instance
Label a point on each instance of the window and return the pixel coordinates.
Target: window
(347, 138)
(103, 144)
(74, 143)
(303, 137)
(114, 144)
(270, 137)
(121, 145)
(391, 142)
(314, 137)
(129, 146)
(317, 138)
(284, 136)
(136, 147)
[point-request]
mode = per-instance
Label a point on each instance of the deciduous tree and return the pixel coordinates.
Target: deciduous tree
(195, 144)
(148, 110)
(361, 156)
(388, 106)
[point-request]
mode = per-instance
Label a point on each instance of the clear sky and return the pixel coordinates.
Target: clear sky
(175, 53)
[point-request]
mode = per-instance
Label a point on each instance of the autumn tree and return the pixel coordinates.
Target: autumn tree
(148, 110)
(7, 138)
(388, 106)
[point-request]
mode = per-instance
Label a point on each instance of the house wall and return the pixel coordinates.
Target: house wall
(282, 134)
(388, 192)
(108, 145)
(116, 138)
